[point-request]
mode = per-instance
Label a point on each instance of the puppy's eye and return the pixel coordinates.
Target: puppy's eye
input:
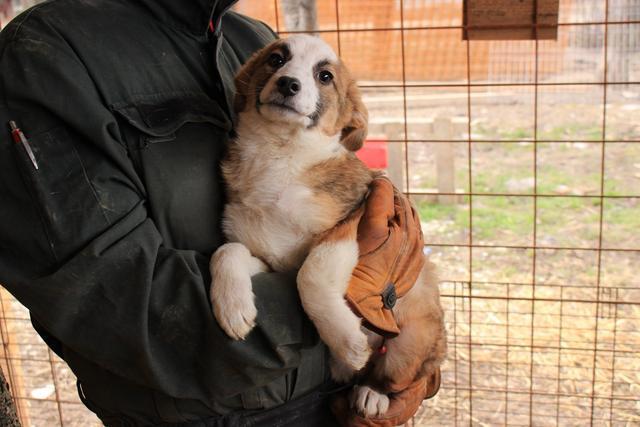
(325, 77)
(276, 60)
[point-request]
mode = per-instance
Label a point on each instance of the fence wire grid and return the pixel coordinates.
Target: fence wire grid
(523, 158)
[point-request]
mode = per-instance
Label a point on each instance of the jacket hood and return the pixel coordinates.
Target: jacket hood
(192, 16)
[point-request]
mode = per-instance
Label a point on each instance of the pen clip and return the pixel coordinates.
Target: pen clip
(20, 138)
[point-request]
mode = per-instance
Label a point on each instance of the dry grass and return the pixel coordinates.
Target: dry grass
(520, 368)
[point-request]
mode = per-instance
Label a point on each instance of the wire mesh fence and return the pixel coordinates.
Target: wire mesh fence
(523, 158)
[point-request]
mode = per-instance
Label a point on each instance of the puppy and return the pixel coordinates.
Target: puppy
(292, 175)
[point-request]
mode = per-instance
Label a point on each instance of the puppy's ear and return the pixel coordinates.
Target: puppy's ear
(242, 81)
(242, 88)
(246, 74)
(354, 131)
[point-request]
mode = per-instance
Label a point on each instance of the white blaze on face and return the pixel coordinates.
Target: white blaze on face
(305, 53)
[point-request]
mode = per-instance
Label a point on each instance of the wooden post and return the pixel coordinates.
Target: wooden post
(300, 15)
(395, 162)
(445, 160)
(395, 154)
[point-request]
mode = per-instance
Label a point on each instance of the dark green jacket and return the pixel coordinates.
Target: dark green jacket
(126, 106)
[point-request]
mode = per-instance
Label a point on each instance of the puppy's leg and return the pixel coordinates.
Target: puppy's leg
(342, 372)
(368, 402)
(421, 346)
(232, 266)
(322, 284)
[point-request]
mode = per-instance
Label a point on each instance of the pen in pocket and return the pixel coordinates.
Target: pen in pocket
(18, 137)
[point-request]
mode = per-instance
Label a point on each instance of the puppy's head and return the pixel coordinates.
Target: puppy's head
(300, 82)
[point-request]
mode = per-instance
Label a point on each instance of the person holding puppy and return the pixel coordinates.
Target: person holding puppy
(117, 114)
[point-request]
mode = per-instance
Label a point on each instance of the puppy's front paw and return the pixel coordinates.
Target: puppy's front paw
(233, 306)
(368, 402)
(354, 350)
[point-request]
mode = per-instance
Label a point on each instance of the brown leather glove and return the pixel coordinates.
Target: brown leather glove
(391, 244)
(402, 405)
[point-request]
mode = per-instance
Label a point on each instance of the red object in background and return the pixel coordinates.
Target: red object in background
(374, 153)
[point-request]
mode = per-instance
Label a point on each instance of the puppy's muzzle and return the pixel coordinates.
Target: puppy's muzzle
(288, 86)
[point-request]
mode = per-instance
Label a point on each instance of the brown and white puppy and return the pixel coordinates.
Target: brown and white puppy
(291, 175)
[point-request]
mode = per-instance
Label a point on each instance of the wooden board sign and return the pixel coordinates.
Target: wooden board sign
(510, 20)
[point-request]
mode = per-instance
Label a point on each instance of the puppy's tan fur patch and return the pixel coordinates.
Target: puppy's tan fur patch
(253, 75)
(347, 113)
(341, 182)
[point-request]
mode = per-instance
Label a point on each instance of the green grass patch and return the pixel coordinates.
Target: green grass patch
(517, 133)
(623, 218)
(494, 215)
(431, 211)
(572, 131)
(495, 180)
(550, 177)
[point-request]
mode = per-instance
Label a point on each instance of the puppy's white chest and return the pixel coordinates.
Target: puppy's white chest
(293, 198)
(274, 222)
(277, 213)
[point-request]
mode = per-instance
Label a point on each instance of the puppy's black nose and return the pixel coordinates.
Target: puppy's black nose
(288, 86)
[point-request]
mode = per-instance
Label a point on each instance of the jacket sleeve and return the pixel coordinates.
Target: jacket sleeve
(79, 250)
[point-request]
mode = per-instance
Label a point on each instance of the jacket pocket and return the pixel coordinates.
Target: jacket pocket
(67, 203)
(176, 143)
(272, 394)
(161, 115)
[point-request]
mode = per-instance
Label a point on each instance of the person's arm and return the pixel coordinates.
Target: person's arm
(391, 247)
(78, 248)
